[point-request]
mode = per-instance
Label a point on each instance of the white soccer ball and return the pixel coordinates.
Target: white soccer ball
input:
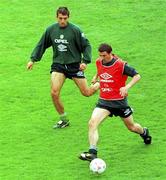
(97, 165)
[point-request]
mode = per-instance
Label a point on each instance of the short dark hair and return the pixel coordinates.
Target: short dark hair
(105, 47)
(63, 10)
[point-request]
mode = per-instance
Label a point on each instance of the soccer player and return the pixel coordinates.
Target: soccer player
(112, 73)
(71, 54)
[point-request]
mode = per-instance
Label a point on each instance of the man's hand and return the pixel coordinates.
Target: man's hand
(83, 66)
(94, 79)
(30, 65)
(124, 91)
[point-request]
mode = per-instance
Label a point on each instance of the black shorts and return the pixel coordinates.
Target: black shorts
(122, 112)
(69, 70)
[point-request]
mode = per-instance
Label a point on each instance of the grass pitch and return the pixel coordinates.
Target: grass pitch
(29, 148)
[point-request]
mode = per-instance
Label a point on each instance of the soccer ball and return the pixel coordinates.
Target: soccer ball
(97, 165)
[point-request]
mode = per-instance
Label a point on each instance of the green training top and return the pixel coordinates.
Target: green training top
(69, 45)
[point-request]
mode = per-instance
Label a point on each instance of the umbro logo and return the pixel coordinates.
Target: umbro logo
(106, 76)
(80, 74)
(62, 48)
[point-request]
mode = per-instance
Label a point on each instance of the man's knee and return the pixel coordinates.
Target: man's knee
(55, 93)
(85, 93)
(92, 124)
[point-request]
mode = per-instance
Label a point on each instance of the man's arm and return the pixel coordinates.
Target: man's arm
(39, 50)
(134, 80)
(94, 79)
(83, 45)
(42, 45)
(87, 51)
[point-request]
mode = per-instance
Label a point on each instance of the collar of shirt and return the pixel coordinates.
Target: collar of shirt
(109, 63)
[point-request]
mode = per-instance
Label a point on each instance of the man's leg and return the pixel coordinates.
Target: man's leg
(137, 128)
(57, 81)
(97, 117)
(83, 86)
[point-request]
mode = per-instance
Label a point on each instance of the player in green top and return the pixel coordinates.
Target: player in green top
(71, 54)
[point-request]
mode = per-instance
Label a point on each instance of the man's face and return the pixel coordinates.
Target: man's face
(62, 20)
(105, 56)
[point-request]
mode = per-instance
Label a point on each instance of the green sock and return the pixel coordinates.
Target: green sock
(63, 116)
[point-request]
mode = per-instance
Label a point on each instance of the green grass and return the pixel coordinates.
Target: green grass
(29, 148)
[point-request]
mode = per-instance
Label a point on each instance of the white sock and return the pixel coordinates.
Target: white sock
(63, 115)
(93, 147)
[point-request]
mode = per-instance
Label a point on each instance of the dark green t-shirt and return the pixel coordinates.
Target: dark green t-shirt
(69, 45)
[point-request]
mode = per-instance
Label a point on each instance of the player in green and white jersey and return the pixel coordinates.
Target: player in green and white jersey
(71, 54)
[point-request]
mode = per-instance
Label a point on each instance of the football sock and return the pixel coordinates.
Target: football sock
(63, 116)
(144, 133)
(93, 149)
